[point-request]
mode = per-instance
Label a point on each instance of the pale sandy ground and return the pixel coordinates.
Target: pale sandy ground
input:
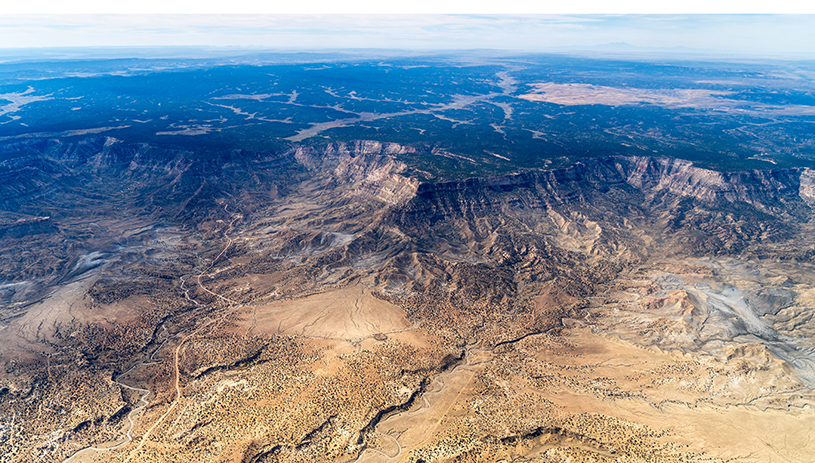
(347, 313)
(586, 94)
(725, 430)
(728, 431)
(416, 427)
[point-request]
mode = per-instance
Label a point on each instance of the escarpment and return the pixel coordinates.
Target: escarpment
(670, 197)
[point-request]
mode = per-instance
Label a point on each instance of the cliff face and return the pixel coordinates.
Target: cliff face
(369, 169)
(91, 187)
(667, 195)
(653, 177)
(710, 210)
(771, 190)
(607, 207)
(25, 227)
(807, 188)
(182, 184)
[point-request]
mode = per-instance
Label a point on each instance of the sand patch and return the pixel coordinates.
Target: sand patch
(587, 94)
(347, 313)
(572, 94)
(671, 391)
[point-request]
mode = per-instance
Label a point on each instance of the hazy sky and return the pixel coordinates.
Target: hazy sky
(755, 34)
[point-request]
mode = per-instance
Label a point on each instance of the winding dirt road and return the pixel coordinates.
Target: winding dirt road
(87, 452)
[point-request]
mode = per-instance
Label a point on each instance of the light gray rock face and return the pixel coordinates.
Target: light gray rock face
(807, 188)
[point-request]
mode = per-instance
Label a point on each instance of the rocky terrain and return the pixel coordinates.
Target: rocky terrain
(320, 303)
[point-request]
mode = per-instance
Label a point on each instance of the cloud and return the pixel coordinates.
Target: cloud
(773, 34)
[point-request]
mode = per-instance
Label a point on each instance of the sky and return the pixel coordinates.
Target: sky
(417, 25)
